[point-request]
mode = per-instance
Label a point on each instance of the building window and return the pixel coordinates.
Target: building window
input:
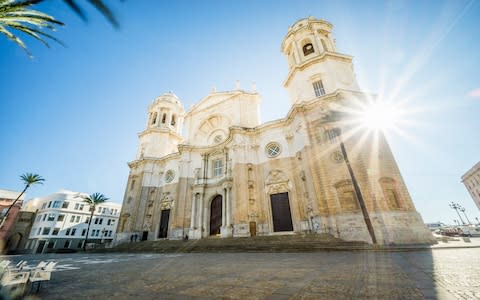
(46, 231)
(67, 232)
(100, 221)
(218, 139)
(132, 185)
(95, 221)
(169, 176)
(81, 206)
(173, 122)
(51, 217)
(87, 220)
(38, 217)
(109, 222)
(73, 231)
(99, 209)
(217, 168)
(77, 219)
(44, 217)
(44, 205)
(76, 206)
(104, 210)
(39, 230)
(56, 204)
(332, 134)
(164, 118)
(273, 149)
(72, 219)
(50, 244)
(324, 45)
(65, 204)
(60, 218)
(79, 245)
(49, 204)
(67, 244)
(318, 88)
(84, 231)
(109, 233)
(154, 118)
(390, 192)
(308, 49)
(55, 231)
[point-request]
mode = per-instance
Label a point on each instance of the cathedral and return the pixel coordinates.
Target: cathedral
(216, 171)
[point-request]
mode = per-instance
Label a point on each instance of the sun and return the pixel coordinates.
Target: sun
(379, 115)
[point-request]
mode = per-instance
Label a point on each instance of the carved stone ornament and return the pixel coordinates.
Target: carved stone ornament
(277, 182)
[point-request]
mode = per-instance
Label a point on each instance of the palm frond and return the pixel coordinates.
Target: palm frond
(17, 15)
(30, 178)
(16, 39)
(99, 5)
(94, 199)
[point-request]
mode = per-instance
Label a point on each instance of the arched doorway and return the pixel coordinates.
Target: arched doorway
(216, 215)
(14, 241)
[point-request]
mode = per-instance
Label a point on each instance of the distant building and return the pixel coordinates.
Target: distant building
(62, 219)
(471, 180)
(6, 200)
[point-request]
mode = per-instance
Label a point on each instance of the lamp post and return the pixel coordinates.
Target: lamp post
(478, 222)
(103, 235)
(358, 192)
(456, 207)
(462, 209)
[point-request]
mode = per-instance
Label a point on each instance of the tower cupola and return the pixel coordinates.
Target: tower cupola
(315, 68)
(163, 129)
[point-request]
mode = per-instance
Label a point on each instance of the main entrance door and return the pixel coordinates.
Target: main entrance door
(282, 218)
(162, 233)
(216, 215)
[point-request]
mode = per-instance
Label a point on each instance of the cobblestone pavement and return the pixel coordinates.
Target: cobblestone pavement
(437, 274)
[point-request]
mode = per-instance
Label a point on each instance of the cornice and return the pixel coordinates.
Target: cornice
(314, 60)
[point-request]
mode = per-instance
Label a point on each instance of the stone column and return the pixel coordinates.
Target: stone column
(227, 225)
(193, 220)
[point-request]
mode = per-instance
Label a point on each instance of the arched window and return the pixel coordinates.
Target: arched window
(324, 45)
(164, 118)
(154, 118)
(308, 49)
(173, 120)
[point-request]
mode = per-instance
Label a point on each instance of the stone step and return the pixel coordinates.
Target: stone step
(277, 243)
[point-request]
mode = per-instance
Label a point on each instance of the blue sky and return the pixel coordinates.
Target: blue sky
(72, 114)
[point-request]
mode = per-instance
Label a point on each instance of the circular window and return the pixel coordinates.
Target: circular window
(169, 176)
(273, 149)
(337, 156)
(218, 139)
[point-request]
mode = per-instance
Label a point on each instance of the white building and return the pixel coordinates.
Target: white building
(229, 175)
(471, 180)
(62, 221)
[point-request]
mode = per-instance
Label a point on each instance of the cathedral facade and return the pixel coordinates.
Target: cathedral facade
(313, 171)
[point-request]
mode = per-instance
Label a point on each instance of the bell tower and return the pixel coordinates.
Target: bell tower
(315, 68)
(163, 129)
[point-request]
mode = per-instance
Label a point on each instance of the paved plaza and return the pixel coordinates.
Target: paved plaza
(425, 274)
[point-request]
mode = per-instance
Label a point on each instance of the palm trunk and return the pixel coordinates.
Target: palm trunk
(88, 229)
(14, 202)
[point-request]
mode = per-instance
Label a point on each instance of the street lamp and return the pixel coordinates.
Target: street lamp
(456, 207)
(462, 209)
(104, 231)
(358, 193)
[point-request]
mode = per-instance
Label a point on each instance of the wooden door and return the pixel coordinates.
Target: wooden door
(164, 218)
(253, 228)
(281, 215)
(216, 215)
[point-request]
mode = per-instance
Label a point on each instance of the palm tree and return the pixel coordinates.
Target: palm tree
(17, 15)
(29, 179)
(93, 200)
